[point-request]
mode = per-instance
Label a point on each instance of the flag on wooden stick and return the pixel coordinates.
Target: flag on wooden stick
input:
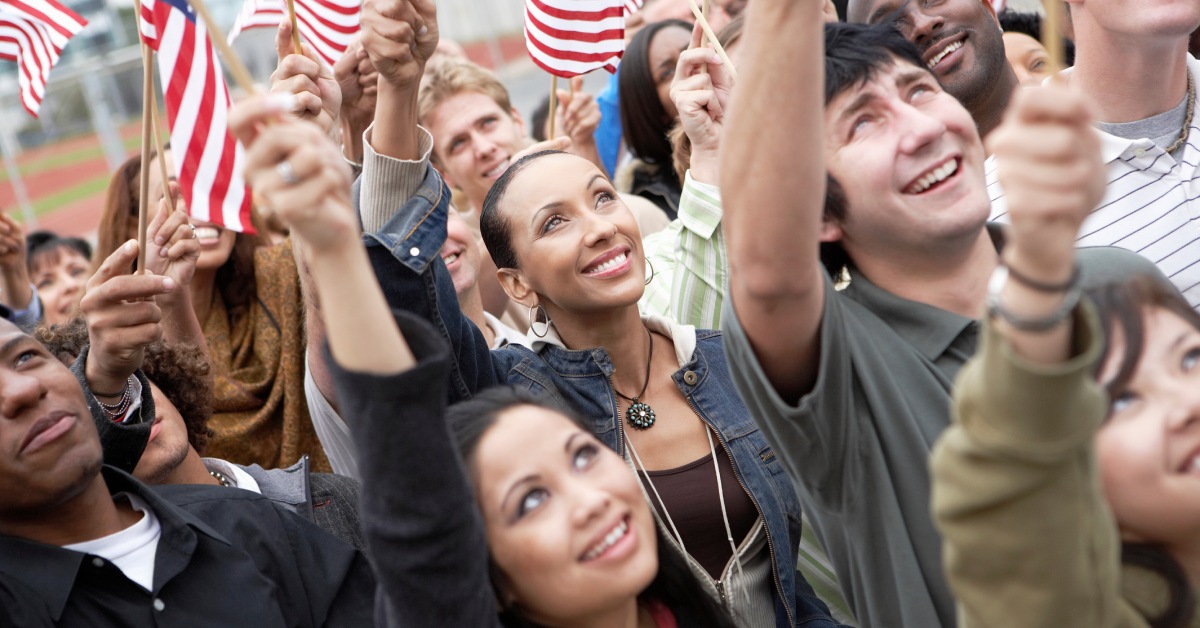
(208, 160)
(572, 37)
(327, 25)
(33, 34)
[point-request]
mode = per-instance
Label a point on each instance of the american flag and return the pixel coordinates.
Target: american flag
(208, 160)
(327, 25)
(33, 34)
(571, 37)
(633, 6)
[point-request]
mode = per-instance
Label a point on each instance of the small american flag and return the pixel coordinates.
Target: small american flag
(33, 34)
(571, 37)
(327, 25)
(633, 6)
(208, 160)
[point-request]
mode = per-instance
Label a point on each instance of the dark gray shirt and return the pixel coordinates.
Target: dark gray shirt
(857, 445)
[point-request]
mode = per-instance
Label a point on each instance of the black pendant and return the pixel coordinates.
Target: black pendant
(639, 415)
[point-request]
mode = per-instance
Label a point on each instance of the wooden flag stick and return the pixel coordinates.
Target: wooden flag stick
(553, 104)
(291, 4)
(240, 75)
(1051, 35)
(162, 162)
(705, 11)
(708, 32)
(147, 142)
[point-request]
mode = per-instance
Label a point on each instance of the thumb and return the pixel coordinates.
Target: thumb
(119, 263)
(283, 38)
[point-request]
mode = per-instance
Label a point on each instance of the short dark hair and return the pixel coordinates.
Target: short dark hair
(644, 122)
(492, 225)
(1031, 24)
(537, 119)
(43, 247)
(854, 54)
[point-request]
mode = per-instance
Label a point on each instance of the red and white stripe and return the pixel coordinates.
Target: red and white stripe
(33, 34)
(571, 37)
(327, 25)
(633, 6)
(208, 161)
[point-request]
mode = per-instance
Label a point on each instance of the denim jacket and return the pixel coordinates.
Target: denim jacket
(405, 256)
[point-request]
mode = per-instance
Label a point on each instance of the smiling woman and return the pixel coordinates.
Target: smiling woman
(654, 391)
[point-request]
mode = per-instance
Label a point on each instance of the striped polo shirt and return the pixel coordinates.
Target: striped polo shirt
(1151, 205)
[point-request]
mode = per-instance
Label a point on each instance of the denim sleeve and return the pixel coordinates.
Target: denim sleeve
(405, 254)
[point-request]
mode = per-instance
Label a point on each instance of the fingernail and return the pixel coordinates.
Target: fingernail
(424, 30)
(158, 240)
(131, 246)
(168, 283)
(162, 252)
(284, 103)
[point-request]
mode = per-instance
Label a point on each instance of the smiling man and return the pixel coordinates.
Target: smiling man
(961, 42)
(852, 387)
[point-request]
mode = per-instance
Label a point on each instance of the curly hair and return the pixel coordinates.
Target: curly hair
(180, 371)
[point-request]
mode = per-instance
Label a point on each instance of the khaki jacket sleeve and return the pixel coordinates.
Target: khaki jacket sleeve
(1029, 540)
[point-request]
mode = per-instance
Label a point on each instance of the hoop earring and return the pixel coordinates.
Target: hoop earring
(533, 318)
(652, 271)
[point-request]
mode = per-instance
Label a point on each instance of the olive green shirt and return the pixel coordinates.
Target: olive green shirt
(857, 445)
(1029, 539)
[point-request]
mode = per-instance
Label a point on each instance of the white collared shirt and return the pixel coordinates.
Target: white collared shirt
(1151, 205)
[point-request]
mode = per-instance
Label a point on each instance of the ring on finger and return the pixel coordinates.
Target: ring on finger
(193, 230)
(284, 168)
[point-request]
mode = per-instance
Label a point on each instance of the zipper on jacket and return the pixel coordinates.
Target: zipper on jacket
(766, 528)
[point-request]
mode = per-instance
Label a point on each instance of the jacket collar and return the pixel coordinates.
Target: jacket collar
(682, 336)
(50, 571)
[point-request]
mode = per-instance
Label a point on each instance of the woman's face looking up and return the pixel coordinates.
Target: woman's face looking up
(565, 518)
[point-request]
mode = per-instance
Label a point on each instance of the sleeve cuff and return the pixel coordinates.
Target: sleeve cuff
(388, 182)
(1034, 411)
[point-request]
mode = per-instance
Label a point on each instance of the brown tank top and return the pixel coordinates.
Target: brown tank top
(691, 499)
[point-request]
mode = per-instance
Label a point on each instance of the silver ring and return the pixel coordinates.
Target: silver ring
(193, 230)
(284, 168)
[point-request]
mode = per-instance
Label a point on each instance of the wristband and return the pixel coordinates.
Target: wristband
(997, 310)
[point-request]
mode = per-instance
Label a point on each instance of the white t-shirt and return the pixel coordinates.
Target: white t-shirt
(132, 550)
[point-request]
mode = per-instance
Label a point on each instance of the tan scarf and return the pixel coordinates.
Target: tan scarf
(260, 415)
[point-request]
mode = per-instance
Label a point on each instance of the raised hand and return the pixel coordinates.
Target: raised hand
(312, 193)
(14, 273)
(122, 318)
(578, 113)
(701, 90)
(1048, 160)
(318, 97)
(172, 249)
(359, 82)
(400, 36)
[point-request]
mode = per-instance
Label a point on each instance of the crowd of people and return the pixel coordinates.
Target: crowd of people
(893, 326)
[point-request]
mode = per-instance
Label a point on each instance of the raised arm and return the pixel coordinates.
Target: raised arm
(773, 186)
(1015, 492)
(427, 542)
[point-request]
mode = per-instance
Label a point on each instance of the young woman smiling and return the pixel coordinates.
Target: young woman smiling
(654, 391)
(541, 508)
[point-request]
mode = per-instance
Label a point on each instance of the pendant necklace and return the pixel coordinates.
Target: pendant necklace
(639, 415)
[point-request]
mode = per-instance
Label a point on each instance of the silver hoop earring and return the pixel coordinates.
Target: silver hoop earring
(538, 312)
(652, 272)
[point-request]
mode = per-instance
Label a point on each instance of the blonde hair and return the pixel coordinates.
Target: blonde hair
(450, 77)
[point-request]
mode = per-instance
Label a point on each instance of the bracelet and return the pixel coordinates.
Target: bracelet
(996, 310)
(1034, 284)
